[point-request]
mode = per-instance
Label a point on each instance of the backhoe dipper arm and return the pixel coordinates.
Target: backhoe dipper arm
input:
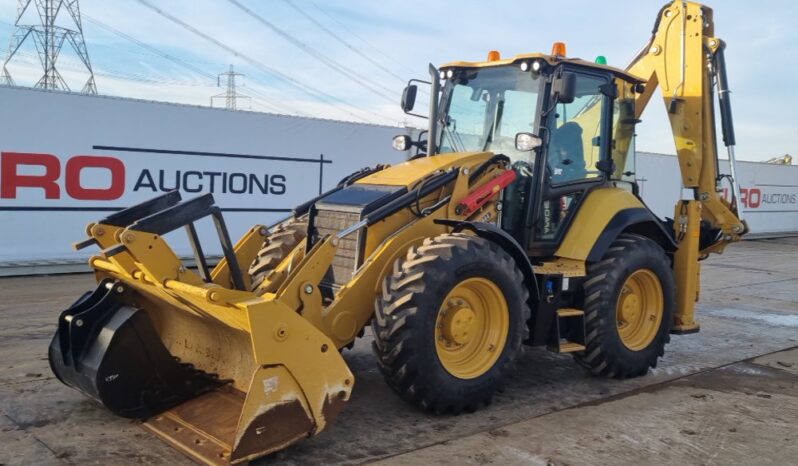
(685, 60)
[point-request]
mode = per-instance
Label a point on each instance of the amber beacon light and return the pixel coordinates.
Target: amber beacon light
(558, 49)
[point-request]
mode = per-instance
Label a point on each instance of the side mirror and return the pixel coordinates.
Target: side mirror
(409, 98)
(565, 88)
(606, 166)
(525, 142)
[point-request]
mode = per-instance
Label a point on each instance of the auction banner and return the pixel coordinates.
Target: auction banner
(67, 160)
(768, 192)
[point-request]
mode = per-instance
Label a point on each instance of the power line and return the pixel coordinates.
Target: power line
(268, 102)
(150, 48)
(302, 87)
(115, 74)
(373, 47)
(342, 69)
(149, 80)
(178, 61)
(264, 106)
(342, 40)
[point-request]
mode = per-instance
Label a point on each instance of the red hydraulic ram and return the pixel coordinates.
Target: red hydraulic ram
(478, 197)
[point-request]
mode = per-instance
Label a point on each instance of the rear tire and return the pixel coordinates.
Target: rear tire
(449, 323)
(285, 237)
(629, 298)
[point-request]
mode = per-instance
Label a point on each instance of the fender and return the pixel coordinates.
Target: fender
(606, 213)
(638, 220)
(496, 235)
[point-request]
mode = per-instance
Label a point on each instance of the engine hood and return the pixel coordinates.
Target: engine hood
(410, 172)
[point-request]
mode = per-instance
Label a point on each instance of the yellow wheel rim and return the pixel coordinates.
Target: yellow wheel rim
(638, 314)
(471, 328)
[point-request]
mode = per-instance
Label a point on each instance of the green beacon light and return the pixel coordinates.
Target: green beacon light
(601, 60)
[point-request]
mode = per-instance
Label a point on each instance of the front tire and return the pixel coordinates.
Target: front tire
(276, 247)
(628, 303)
(450, 321)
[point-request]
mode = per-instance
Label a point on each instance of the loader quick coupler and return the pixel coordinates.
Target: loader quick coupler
(110, 351)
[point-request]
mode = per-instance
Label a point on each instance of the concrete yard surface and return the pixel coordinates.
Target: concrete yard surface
(743, 413)
(727, 395)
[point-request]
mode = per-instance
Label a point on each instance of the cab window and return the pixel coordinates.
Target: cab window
(575, 143)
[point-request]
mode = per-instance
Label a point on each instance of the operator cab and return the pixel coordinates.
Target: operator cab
(567, 126)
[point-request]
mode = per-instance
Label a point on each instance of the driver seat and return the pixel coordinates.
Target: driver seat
(568, 138)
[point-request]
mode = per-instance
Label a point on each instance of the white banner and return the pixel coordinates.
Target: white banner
(67, 160)
(769, 192)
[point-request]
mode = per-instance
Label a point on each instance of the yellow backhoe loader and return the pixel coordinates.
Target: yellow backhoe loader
(518, 222)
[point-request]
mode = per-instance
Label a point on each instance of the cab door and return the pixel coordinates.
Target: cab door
(576, 137)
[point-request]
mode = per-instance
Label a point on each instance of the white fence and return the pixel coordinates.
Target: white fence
(67, 160)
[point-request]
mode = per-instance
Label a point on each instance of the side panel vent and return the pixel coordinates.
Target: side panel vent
(329, 222)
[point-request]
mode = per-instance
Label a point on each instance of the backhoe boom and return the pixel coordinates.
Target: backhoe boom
(685, 61)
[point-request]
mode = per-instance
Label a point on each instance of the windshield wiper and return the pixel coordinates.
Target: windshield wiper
(450, 129)
(497, 116)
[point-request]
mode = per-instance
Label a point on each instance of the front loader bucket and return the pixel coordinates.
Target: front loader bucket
(110, 351)
(220, 373)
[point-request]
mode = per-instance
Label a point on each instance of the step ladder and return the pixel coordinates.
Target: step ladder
(569, 333)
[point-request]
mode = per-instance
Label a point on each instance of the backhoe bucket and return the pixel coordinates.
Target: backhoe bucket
(222, 374)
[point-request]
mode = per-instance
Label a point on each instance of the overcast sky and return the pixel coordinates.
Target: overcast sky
(394, 40)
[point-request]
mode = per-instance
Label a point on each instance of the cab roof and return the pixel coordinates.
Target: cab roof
(550, 59)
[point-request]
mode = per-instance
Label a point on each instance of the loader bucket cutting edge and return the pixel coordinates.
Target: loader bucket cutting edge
(221, 374)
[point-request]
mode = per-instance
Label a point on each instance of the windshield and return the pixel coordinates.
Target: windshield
(484, 108)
